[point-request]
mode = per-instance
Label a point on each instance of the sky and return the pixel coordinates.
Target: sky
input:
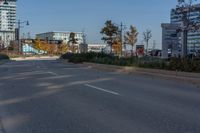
(90, 16)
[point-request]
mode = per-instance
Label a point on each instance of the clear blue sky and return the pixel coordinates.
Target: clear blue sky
(76, 15)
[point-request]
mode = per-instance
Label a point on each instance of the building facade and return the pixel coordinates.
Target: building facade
(171, 45)
(7, 21)
(94, 47)
(193, 38)
(62, 36)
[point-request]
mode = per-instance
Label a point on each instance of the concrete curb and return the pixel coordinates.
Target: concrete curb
(183, 76)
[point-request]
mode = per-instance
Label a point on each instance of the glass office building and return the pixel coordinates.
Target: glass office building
(193, 43)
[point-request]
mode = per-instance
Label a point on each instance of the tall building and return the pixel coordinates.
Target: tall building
(193, 38)
(7, 21)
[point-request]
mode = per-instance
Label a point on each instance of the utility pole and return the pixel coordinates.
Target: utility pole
(154, 44)
(19, 42)
(85, 47)
(185, 26)
(122, 27)
(18, 34)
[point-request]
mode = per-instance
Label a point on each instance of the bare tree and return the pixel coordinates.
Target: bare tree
(131, 37)
(147, 36)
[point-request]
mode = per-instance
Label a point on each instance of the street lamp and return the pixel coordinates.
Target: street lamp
(122, 28)
(18, 33)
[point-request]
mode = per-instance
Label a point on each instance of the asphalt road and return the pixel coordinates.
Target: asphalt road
(53, 97)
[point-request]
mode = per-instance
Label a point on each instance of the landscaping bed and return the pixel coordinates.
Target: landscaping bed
(174, 64)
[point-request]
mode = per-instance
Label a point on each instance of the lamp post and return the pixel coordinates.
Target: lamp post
(18, 33)
(121, 29)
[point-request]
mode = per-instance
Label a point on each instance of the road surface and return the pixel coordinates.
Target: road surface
(53, 97)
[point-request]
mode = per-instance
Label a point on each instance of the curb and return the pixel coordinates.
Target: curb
(193, 78)
(4, 61)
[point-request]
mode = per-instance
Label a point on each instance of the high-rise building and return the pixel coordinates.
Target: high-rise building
(7, 21)
(193, 38)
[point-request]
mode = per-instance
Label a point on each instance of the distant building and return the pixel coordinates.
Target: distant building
(140, 50)
(7, 21)
(170, 40)
(62, 36)
(92, 47)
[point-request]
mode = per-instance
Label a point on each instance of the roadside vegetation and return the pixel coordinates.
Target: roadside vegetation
(112, 35)
(175, 64)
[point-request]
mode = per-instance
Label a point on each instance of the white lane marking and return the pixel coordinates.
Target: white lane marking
(52, 73)
(56, 77)
(76, 68)
(101, 89)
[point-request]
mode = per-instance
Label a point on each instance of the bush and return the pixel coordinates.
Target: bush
(4, 57)
(184, 64)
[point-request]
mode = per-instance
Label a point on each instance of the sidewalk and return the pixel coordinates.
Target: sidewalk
(183, 76)
(36, 58)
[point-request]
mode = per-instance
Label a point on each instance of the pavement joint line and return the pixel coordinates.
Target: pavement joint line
(101, 89)
(56, 77)
(2, 130)
(76, 68)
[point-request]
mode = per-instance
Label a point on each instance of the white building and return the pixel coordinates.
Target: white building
(7, 21)
(60, 36)
(94, 47)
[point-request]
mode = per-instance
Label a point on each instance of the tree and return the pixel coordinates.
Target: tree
(73, 41)
(147, 36)
(117, 46)
(38, 45)
(110, 33)
(45, 47)
(52, 49)
(131, 37)
(63, 48)
(183, 10)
